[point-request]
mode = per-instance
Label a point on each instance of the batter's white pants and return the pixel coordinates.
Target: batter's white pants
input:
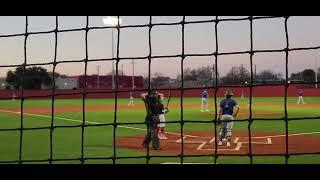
(162, 120)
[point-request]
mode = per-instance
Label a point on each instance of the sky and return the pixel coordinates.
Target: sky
(304, 31)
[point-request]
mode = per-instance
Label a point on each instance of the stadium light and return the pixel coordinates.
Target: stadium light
(133, 86)
(112, 21)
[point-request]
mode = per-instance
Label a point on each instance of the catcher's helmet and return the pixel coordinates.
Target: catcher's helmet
(229, 92)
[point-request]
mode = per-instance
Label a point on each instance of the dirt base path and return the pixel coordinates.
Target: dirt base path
(203, 143)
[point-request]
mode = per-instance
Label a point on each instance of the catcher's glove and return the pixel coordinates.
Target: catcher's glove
(166, 110)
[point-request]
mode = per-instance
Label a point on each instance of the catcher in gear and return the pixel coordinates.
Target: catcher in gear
(228, 110)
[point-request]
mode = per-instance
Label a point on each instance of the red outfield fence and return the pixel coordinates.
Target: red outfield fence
(258, 91)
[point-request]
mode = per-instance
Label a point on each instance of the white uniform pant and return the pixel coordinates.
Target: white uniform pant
(131, 101)
(162, 120)
(300, 99)
(204, 102)
(226, 127)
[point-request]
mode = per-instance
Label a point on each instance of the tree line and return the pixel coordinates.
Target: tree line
(206, 76)
(35, 77)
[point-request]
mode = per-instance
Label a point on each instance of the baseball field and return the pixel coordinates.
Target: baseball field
(268, 140)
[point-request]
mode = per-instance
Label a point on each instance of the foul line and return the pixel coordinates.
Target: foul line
(185, 163)
(91, 122)
(283, 135)
(141, 129)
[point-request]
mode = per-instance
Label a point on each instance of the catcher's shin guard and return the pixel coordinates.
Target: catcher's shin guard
(229, 134)
(221, 134)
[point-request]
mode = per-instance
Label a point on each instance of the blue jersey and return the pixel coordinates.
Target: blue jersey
(204, 94)
(227, 106)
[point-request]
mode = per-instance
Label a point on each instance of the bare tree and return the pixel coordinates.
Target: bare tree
(308, 75)
(237, 75)
(203, 76)
(268, 75)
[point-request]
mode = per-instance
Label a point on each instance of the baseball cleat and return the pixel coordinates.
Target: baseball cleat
(164, 137)
(228, 143)
(220, 143)
(157, 148)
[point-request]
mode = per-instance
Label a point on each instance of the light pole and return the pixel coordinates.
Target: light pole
(112, 21)
(98, 80)
(315, 62)
(255, 71)
(122, 68)
(132, 74)
(213, 74)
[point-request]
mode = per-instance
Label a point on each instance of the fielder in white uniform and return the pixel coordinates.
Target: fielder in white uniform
(14, 96)
(131, 99)
(204, 102)
(300, 94)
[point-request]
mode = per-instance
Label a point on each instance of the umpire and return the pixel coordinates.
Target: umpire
(153, 108)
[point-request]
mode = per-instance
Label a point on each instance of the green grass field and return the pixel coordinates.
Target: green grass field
(98, 141)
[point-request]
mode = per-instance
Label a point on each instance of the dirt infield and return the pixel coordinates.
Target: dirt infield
(199, 143)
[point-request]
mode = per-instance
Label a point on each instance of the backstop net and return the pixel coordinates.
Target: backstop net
(213, 85)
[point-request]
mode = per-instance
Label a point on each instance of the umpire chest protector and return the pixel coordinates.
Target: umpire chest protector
(154, 105)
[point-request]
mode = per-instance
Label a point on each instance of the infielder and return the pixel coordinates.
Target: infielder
(131, 99)
(227, 113)
(14, 96)
(162, 118)
(204, 102)
(300, 94)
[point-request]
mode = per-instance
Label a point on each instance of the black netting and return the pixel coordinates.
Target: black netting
(215, 60)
